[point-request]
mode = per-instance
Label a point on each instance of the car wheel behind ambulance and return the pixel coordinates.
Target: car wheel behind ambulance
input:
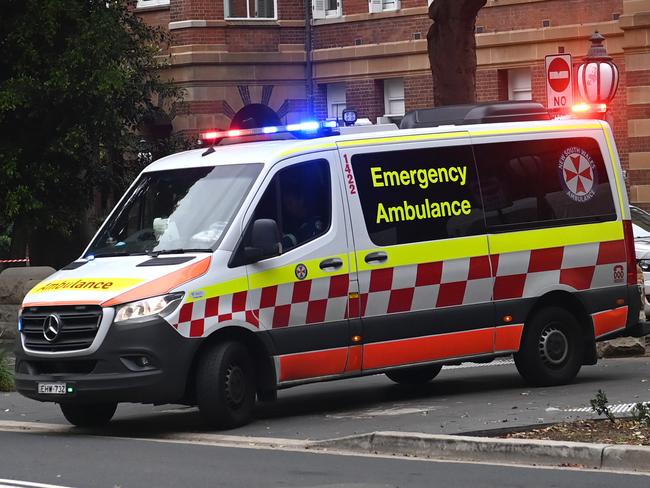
(417, 375)
(226, 386)
(551, 348)
(88, 415)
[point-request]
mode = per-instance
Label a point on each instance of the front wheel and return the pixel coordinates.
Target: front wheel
(88, 415)
(226, 385)
(551, 349)
(417, 375)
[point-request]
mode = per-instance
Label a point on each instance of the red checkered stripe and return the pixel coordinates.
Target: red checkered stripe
(413, 287)
(466, 281)
(298, 303)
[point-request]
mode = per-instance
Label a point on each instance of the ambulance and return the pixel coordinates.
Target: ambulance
(278, 256)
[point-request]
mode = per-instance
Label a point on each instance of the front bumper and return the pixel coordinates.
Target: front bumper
(114, 372)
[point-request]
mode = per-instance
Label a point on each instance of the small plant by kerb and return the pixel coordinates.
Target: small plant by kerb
(6, 375)
(641, 413)
(600, 405)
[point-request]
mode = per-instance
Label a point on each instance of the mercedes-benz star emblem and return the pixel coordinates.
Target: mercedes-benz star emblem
(51, 327)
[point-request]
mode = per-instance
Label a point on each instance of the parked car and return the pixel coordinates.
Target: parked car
(641, 230)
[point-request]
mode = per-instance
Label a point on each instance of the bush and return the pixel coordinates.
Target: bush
(6, 374)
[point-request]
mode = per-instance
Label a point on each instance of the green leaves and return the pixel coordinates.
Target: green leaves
(76, 79)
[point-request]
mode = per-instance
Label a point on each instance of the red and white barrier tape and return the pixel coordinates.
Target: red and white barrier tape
(14, 260)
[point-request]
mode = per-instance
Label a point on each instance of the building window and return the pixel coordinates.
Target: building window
(151, 3)
(519, 84)
(250, 9)
(394, 96)
(375, 6)
(335, 100)
(326, 8)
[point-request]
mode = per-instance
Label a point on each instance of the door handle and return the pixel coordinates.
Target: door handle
(376, 257)
(331, 264)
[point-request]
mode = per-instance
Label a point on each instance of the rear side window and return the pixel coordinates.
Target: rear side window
(418, 195)
(543, 183)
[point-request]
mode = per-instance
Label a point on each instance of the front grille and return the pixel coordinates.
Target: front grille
(79, 325)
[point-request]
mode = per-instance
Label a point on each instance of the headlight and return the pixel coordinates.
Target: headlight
(644, 264)
(143, 309)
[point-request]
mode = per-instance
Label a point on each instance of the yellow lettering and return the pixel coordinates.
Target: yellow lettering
(376, 177)
(381, 214)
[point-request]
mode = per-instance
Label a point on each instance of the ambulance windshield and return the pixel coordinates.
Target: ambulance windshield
(175, 211)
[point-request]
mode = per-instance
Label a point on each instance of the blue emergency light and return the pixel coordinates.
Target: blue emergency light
(306, 129)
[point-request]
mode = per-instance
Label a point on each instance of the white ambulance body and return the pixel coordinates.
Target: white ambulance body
(225, 275)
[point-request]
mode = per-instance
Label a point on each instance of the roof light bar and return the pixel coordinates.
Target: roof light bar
(585, 107)
(310, 128)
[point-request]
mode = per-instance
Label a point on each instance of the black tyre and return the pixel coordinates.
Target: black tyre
(551, 348)
(88, 415)
(417, 375)
(225, 385)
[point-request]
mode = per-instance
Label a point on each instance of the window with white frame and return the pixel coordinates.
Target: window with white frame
(335, 100)
(519, 84)
(151, 3)
(322, 9)
(375, 6)
(394, 96)
(250, 9)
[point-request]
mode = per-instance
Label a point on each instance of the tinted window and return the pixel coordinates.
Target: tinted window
(298, 199)
(543, 183)
(418, 195)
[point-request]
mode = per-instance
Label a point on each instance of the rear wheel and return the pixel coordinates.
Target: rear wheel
(417, 375)
(551, 348)
(226, 385)
(88, 415)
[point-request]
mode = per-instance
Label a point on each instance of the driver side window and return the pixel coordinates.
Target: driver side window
(298, 199)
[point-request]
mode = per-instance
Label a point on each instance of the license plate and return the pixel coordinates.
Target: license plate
(52, 388)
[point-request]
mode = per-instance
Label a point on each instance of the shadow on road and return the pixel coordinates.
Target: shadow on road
(450, 388)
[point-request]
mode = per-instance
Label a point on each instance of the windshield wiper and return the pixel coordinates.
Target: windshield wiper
(155, 254)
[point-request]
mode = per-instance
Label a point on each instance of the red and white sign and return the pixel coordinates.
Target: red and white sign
(559, 85)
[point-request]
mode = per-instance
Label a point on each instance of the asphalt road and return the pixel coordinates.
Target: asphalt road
(459, 400)
(97, 462)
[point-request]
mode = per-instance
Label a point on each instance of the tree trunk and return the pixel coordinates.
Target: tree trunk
(452, 50)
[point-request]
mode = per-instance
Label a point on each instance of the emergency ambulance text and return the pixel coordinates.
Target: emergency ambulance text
(421, 177)
(422, 211)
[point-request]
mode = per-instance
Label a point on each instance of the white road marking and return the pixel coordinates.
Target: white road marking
(496, 362)
(616, 408)
(26, 484)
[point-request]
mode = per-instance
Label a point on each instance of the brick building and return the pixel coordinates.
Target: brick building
(237, 58)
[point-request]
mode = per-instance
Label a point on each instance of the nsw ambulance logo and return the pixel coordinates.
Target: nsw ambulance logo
(578, 174)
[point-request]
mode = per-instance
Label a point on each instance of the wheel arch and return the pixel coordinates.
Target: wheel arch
(261, 350)
(570, 302)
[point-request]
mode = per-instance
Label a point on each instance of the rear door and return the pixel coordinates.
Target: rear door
(424, 270)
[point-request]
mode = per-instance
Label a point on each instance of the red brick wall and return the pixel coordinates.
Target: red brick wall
(202, 35)
(252, 39)
(366, 97)
(418, 92)
(291, 9)
(158, 17)
(196, 9)
(370, 32)
(487, 85)
(559, 12)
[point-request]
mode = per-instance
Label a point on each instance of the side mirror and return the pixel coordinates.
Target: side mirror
(264, 241)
